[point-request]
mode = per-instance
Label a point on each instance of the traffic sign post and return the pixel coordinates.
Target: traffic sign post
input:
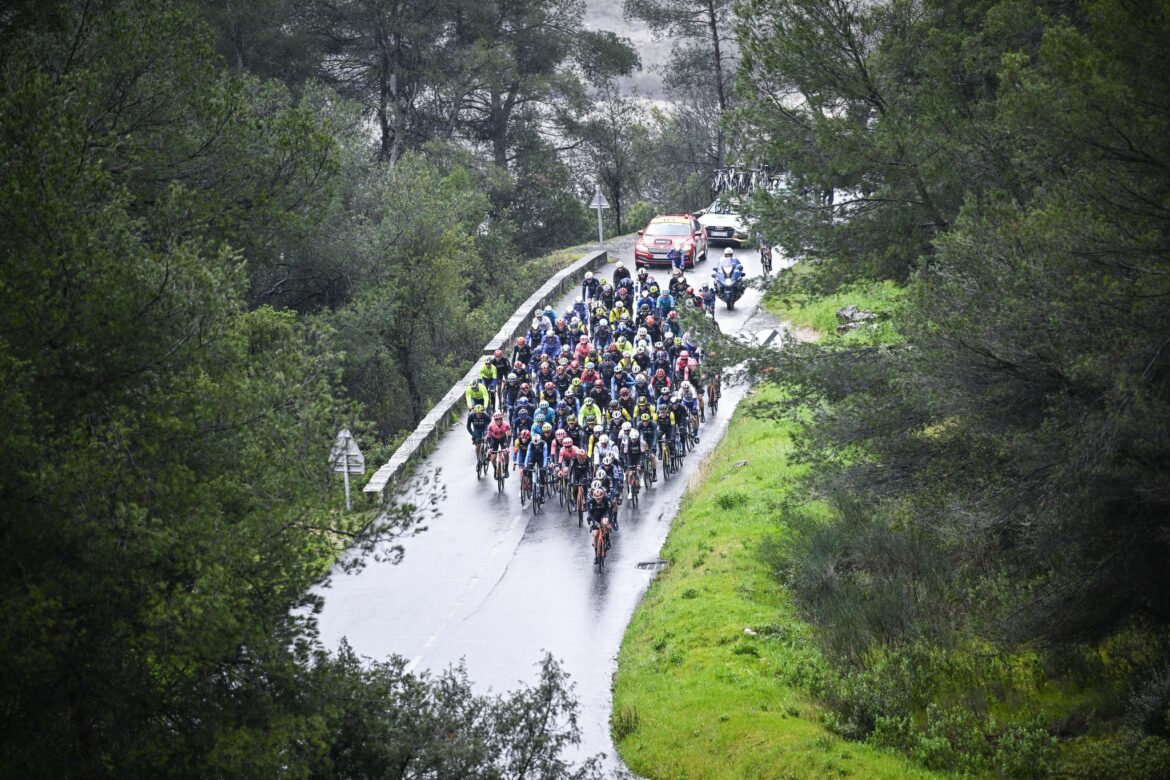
(347, 458)
(599, 202)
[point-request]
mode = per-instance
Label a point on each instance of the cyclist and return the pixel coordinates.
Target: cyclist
(522, 352)
(678, 284)
(520, 447)
(648, 432)
(632, 453)
(620, 273)
(573, 429)
(665, 304)
(675, 256)
(580, 471)
(589, 408)
(606, 294)
(477, 394)
(499, 436)
(522, 415)
(604, 448)
(550, 344)
(673, 326)
(665, 427)
(708, 293)
(682, 414)
(510, 393)
(590, 286)
(537, 456)
(600, 510)
(613, 469)
(477, 424)
(691, 398)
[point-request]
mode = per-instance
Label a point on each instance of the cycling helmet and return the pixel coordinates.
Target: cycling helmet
(581, 454)
(649, 322)
(603, 440)
(535, 323)
(645, 416)
(512, 378)
(538, 416)
(600, 474)
(590, 364)
(522, 401)
(625, 426)
(607, 460)
(547, 427)
(660, 374)
(588, 274)
(599, 492)
(615, 415)
(498, 416)
(560, 434)
(499, 353)
(583, 339)
(634, 435)
(619, 265)
(525, 434)
(596, 382)
(549, 386)
(524, 388)
(576, 381)
(685, 353)
(580, 299)
(624, 392)
(479, 408)
(544, 406)
(672, 314)
(597, 429)
(727, 252)
(674, 399)
(686, 385)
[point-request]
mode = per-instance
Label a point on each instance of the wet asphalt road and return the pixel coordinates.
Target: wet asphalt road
(492, 585)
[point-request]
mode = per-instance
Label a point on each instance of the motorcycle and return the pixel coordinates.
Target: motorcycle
(729, 283)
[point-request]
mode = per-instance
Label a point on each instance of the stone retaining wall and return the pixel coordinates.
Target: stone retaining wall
(450, 408)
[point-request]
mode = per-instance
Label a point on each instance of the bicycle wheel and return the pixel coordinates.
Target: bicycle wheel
(581, 509)
(537, 494)
(525, 487)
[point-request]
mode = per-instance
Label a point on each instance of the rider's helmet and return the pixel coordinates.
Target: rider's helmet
(660, 374)
(678, 341)
(544, 406)
(643, 273)
(560, 322)
(525, 434)
(634, 435)
(618, 305)
(596, 382)
(512, 378)
(536, 323)
(684, 353)
(498, 416)
(524, 388)
(649, 322)
(589, 365)
(576, 381)
(603, 439)
(672, 314)
(479, 408)
(607, 460)
(547, 427)
(499, 353)
(581, 454)
(597, 429)
(560, 434)
(580, 299)
(549, 387)
(645, 416)
(522, 401)
(599, 492)
(624, 392)
(674, 399)
(727, 252)
(686, 385)
(626, 426)
(561, 367)
(588, 274)
(619, 265)
(538, 416)
(583, 339)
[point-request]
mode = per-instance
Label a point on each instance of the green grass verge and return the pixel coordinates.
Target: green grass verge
(820, 312)
(697, 696)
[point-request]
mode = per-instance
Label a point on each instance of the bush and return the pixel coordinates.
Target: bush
(1129, 756)
(638, 215)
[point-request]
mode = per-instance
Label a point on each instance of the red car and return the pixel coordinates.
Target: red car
(670, 231)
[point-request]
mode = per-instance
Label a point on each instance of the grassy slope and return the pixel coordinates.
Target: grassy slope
(702, 698)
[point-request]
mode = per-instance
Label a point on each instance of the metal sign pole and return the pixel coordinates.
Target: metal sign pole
(348, 505)
(600, 227)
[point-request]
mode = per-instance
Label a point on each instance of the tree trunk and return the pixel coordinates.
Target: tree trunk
(713, 25)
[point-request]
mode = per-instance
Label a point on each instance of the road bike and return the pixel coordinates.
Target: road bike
(525, 485)
(600, 541)
(676, 450)
(576, 502)
(561, 486)
(634, 484)
(713, 392)
(500, 462)
(481, 459)
(538, 489)
(665, 457)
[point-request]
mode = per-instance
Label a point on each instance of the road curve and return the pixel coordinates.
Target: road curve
(491, 585)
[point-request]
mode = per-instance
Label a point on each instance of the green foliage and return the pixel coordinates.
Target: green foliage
(163, 498)
(639, 215)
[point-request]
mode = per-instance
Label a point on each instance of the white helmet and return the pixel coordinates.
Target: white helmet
(607, 460)
(603, 440)
(727, 252)
(535, 323)
(626, 426)
(619, 264)
(580, 299)
(634, 435)
(686, 385)
(588, 274)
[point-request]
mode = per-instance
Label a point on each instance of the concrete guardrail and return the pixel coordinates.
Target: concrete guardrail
(449, 409)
